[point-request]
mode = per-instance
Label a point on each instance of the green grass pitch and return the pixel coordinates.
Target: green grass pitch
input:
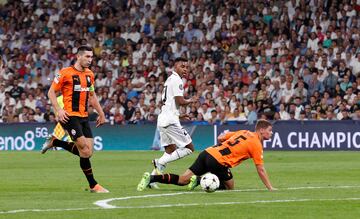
(311, 185)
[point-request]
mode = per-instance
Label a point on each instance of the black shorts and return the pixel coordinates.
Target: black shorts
(77, 127)
(207, 163)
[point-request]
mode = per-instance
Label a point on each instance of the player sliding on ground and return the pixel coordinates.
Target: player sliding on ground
(233, 148)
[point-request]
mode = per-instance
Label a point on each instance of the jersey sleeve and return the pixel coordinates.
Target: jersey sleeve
(92, 79)
(257, 153)
(178, 88)
(58, 81)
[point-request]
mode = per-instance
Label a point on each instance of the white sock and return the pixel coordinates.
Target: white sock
(154, 172)
(176, 155)
(163, 160)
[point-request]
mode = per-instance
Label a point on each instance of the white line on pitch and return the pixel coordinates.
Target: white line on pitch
(47, 210)
(103, 204)
(233, 203)
(180, 205)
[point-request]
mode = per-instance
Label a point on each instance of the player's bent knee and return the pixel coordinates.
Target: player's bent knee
(190, 146)
(184, 180)
(81, 142)
(170, 148)
(85, 153)
(229, 185)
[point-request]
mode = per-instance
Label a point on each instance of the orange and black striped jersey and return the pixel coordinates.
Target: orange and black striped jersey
(75, 87)
(237, 147)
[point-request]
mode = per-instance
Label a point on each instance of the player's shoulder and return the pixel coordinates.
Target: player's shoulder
(244, 132)
(88, 71)
(252, 136)
(173, 78)
(71, 70)
(253, 139)
(67, 70)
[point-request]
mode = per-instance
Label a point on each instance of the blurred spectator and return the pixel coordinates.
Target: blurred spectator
(315, 84)
(252, 115)
(137, 118)
(330, 81)
(16, 90)
(242, 52)
(345, 84)
(284, 115)
(129, 110)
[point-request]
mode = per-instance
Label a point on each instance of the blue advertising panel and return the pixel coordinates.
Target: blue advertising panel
(31, 136)
(309, 135)
(288, 135)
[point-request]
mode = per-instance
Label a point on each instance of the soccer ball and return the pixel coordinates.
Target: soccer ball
(209, 182)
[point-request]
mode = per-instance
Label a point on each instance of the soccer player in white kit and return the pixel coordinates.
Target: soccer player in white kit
(173, 137)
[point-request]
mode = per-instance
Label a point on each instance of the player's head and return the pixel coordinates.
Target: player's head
(84, 56)
(264, 128)
(181, 66)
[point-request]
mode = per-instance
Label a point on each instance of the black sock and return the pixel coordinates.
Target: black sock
(69, 146)
(86, 168)
(166, 178)
(198, 179)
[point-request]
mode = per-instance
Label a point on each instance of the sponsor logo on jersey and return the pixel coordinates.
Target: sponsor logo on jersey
(73, 132)
(181, 87)
(81, 89)
(57, 77)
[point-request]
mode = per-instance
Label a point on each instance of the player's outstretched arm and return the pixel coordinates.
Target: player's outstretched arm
(95, 103)
(264, 177)
(225, 136)
(184, 117)
(181, 101)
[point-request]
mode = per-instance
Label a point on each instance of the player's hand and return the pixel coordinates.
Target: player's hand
(184, 117)
(62, 116)
(221, 140)
(194, 99)
(222, 135)
(100, 120)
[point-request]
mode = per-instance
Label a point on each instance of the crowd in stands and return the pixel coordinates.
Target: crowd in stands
(249, 59)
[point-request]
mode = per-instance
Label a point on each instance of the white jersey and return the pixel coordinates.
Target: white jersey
(173, 87)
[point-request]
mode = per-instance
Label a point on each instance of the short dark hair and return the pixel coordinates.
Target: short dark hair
(180, 59)
(262, 124)
(84, 48)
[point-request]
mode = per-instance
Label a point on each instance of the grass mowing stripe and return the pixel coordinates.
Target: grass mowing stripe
(180, 205)
(47, 210)
(53, 183)
(103, 204)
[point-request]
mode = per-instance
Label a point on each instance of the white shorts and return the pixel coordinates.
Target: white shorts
(174, 134)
